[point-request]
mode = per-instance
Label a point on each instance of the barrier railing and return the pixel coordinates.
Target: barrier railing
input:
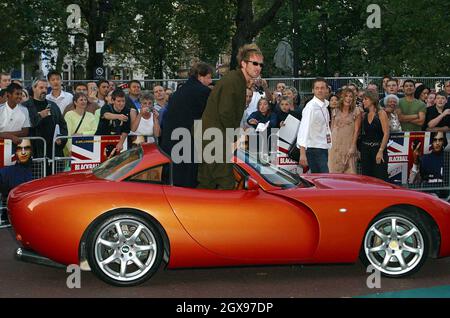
(38, 167)
(87, 152)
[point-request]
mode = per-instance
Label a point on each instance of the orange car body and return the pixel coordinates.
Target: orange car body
(323, 223)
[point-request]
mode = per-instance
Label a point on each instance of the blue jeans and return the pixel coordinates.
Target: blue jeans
(317, 160)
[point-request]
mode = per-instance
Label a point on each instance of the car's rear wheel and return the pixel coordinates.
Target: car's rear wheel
(124, 250)
(396, 244)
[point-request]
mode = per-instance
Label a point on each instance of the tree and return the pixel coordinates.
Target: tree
(247, 27)
(412, 40)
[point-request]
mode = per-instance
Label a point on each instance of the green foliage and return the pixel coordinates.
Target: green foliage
(163, 36)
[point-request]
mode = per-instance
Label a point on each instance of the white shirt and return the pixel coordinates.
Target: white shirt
(314, 126)
(253, 106)
(145, 128)
(13, 119)
(63, 100)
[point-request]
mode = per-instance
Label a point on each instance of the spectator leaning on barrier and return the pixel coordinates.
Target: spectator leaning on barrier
(79, 120)
(45, 117)
(345, 128)
(374, 139)
(146, 122)
(391, 108)
(438, 116)
(411, 111)
(57, 95)
(5, 80)
(314, 135)
(82, 88)
(14, 118)
(115, 119)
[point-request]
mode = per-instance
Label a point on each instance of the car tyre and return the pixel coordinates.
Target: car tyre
(396, 244)
(124, 250)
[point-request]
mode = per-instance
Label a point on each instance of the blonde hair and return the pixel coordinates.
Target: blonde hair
(341, 100)
(246, 51)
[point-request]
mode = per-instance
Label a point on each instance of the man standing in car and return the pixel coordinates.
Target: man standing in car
(224, 110)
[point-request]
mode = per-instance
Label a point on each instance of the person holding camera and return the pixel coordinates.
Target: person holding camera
(115, 119)
(146, 122)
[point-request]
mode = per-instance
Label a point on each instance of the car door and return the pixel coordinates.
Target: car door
(246, 224)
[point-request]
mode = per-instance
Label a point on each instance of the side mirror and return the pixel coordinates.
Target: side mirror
(251, 184)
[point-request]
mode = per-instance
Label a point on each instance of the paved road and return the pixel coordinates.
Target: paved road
(19, 279)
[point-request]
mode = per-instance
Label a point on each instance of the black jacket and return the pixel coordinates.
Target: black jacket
(185, 105)
(45, 128)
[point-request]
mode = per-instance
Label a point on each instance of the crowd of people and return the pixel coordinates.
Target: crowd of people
(338, 125)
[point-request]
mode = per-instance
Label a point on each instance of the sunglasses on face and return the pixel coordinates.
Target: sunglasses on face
(256, 63)
(26, 148)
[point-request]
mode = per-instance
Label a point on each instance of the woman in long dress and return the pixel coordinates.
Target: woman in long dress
(345, 127)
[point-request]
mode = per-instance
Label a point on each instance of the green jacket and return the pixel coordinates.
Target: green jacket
(226, 103)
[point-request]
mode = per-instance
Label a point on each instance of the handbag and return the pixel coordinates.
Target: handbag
(294, 152)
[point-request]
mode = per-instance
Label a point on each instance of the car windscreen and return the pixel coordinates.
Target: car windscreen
(118, 166)
(272, 174)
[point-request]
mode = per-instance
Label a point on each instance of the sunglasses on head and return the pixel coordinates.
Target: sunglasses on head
(256, 63)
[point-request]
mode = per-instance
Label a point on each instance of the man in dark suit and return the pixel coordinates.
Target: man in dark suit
(186, 105)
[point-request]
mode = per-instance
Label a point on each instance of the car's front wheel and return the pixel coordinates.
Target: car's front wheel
(124, 250)
(396, 244)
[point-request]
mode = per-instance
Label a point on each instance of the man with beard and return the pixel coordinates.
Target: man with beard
(224, 110)
(185, 106)
(45, 117)
(12, 176)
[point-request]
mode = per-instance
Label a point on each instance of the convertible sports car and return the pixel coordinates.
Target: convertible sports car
(124, 218)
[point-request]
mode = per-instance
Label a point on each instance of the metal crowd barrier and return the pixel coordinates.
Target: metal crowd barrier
(38, 168)
(440, 187)
(63, 164)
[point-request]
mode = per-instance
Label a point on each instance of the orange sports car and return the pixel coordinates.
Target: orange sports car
(124, 218)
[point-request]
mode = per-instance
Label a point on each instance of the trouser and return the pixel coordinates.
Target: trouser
(317, 160)
(369, 164)
(216, 176)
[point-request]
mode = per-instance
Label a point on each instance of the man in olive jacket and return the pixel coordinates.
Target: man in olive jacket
(224, 110)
